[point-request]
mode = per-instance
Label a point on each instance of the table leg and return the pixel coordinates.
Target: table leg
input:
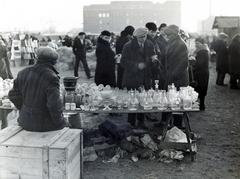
(165, 128)
(188, 134)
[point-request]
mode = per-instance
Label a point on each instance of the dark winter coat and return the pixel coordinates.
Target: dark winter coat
(201, 71)
(177, 63)
(162, 44)
(234, 57)
(105, 67)
(36, 94)
(79, 48)
(222, 62)
(157, 67)
(133, 77)
(121, 41)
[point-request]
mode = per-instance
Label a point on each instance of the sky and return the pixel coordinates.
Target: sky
(67, 14)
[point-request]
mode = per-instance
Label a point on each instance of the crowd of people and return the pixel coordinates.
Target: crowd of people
(134, 60)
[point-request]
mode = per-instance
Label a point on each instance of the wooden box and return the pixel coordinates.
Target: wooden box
(41, 155)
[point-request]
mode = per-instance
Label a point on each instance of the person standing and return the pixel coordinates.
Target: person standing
(80, 45)
(234, 62)
(5, 73)
(105, 67)
(157, 68)
(222, 64)
(137, 58)
(201, 70)
(36, 94)
(162, 44)
(176, 63)
(126, 35)
(27, 50)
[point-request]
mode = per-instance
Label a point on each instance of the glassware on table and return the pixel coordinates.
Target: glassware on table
(133, 103)
(148, 102)
(163, 102)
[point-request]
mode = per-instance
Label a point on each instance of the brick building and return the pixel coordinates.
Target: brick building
(116, 15)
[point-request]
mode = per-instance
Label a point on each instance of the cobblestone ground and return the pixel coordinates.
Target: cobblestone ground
(218, 152)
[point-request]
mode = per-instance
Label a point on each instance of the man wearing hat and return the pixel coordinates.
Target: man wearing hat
(137, 59)
(36, 94)
(176, 63)
(125, 36)
(222, 61)
(80, 45)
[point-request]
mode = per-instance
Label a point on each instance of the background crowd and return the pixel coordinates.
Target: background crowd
(137, 58)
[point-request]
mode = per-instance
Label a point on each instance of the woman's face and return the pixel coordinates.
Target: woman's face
(106, 38)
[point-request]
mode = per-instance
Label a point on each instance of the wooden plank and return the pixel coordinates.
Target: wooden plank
(8, 175)
(45, 162)
(57, 166)
(64, 141)
(8, 132)
(20, 152)
(81, 155)
(73, 168)
(35, 139)
(64, 155)
(21, 166)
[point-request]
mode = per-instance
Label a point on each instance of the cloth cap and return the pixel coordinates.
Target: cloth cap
(106, 33)
(151, 26)
(47, 54)
(172, 29)
(141, 31)
(129, 30)
(81, 33)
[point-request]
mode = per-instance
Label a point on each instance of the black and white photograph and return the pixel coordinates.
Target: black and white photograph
(119, 89)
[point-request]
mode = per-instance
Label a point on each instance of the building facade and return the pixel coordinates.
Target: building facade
(117, 15)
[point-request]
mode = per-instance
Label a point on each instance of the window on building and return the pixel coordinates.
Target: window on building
(100, 22)
(103, 15)
(107, 15)
(99, 15)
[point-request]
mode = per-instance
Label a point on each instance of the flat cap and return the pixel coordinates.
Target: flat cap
(47, 54)
(172, 29)
(141, 31)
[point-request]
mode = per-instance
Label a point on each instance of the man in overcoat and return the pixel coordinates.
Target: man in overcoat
(137, 58)
(234, 62)
(36, 94)
(80, 45)
(176, 63)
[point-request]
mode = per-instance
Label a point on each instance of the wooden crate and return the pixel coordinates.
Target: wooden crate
(41, 155)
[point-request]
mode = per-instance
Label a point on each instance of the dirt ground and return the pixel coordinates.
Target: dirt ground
(218, 153)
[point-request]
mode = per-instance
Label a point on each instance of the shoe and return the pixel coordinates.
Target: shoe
(89, 77)
(234, 87)
(221, 84)
(202, 108)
